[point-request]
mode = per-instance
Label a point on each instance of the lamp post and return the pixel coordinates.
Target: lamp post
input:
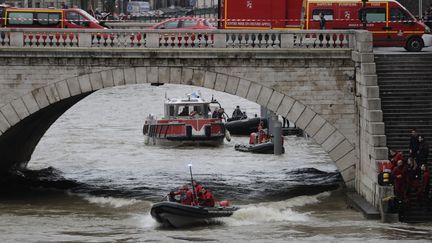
(364, 14)
(420, 9)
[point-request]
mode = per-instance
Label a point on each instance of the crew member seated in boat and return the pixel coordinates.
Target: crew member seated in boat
(193, 113)
(197, 186)
(184, 112)
(262, 133)
(186, 196)
(205, 198)
(237, 113)
(171, 197)
(218, 113)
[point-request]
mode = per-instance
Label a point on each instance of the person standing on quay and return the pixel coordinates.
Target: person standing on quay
(414, 144)
(423, 151)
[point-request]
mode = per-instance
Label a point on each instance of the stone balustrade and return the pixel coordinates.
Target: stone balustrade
(138, 38)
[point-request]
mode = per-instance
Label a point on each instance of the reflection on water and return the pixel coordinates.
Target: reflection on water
(92, 179)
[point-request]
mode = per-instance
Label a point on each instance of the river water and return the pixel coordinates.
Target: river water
(92, 179)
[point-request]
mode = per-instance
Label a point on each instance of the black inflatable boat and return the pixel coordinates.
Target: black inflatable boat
(177, 215)
(244, 126)
(262, 148)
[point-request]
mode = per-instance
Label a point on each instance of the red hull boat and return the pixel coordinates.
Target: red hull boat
(186, 121)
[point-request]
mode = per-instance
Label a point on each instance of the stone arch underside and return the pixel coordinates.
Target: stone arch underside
(24, 120)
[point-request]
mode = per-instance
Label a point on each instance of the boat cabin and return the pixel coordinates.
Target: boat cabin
(187, 107)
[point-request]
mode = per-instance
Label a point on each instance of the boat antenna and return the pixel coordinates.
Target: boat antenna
(193, 187)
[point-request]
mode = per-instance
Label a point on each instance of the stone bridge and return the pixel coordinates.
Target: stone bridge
(324, 82)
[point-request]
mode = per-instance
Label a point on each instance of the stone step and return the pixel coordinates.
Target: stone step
(412, 76)
(403, 80)
(404, 71)
(409, 65)
(394, 58)
(407, 116)
(399, 120)
(402, 62)
(402, 111)
(397, 130)
(407, 120)
(387, 102)
(410, 96)
(400, 138)
(401, 87)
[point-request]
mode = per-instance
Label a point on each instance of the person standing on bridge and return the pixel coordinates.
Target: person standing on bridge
(322, 21)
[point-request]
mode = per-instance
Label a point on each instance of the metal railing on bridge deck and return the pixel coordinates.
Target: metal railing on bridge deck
(163, 39)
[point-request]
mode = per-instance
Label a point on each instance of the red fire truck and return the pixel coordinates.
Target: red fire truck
(390, 22)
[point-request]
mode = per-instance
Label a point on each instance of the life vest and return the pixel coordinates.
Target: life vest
(262, 136)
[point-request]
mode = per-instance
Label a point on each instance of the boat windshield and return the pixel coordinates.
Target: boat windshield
(196, 110)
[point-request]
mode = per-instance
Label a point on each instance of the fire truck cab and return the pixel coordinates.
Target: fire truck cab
(392, 24)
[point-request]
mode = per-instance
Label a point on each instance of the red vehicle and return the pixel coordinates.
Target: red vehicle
(390, 22)
(47, 18)
(184, 23)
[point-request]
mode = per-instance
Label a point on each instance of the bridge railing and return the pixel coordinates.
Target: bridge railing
(165, 39)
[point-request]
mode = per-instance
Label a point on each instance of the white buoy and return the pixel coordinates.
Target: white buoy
(227, 135)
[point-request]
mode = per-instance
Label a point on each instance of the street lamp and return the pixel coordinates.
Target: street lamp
(364, 14)
(420, 9)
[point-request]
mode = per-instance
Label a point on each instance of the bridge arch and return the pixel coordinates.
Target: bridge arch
(25, 120)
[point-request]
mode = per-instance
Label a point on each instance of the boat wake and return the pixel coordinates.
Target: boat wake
(114, 202)
(255, 214)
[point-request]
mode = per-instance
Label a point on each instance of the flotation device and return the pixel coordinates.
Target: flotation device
(227, 135)
(224, 203)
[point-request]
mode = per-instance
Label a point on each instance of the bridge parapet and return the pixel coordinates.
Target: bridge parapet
(163, 39)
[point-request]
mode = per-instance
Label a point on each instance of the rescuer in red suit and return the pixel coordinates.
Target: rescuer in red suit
(205, 198)
(186, 196)
(399, 180)
(395, 157)
(424, 188)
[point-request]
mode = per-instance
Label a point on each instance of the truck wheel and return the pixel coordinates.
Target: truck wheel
(414, 44)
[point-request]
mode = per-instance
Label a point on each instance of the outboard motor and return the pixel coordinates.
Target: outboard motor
(252, 138)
